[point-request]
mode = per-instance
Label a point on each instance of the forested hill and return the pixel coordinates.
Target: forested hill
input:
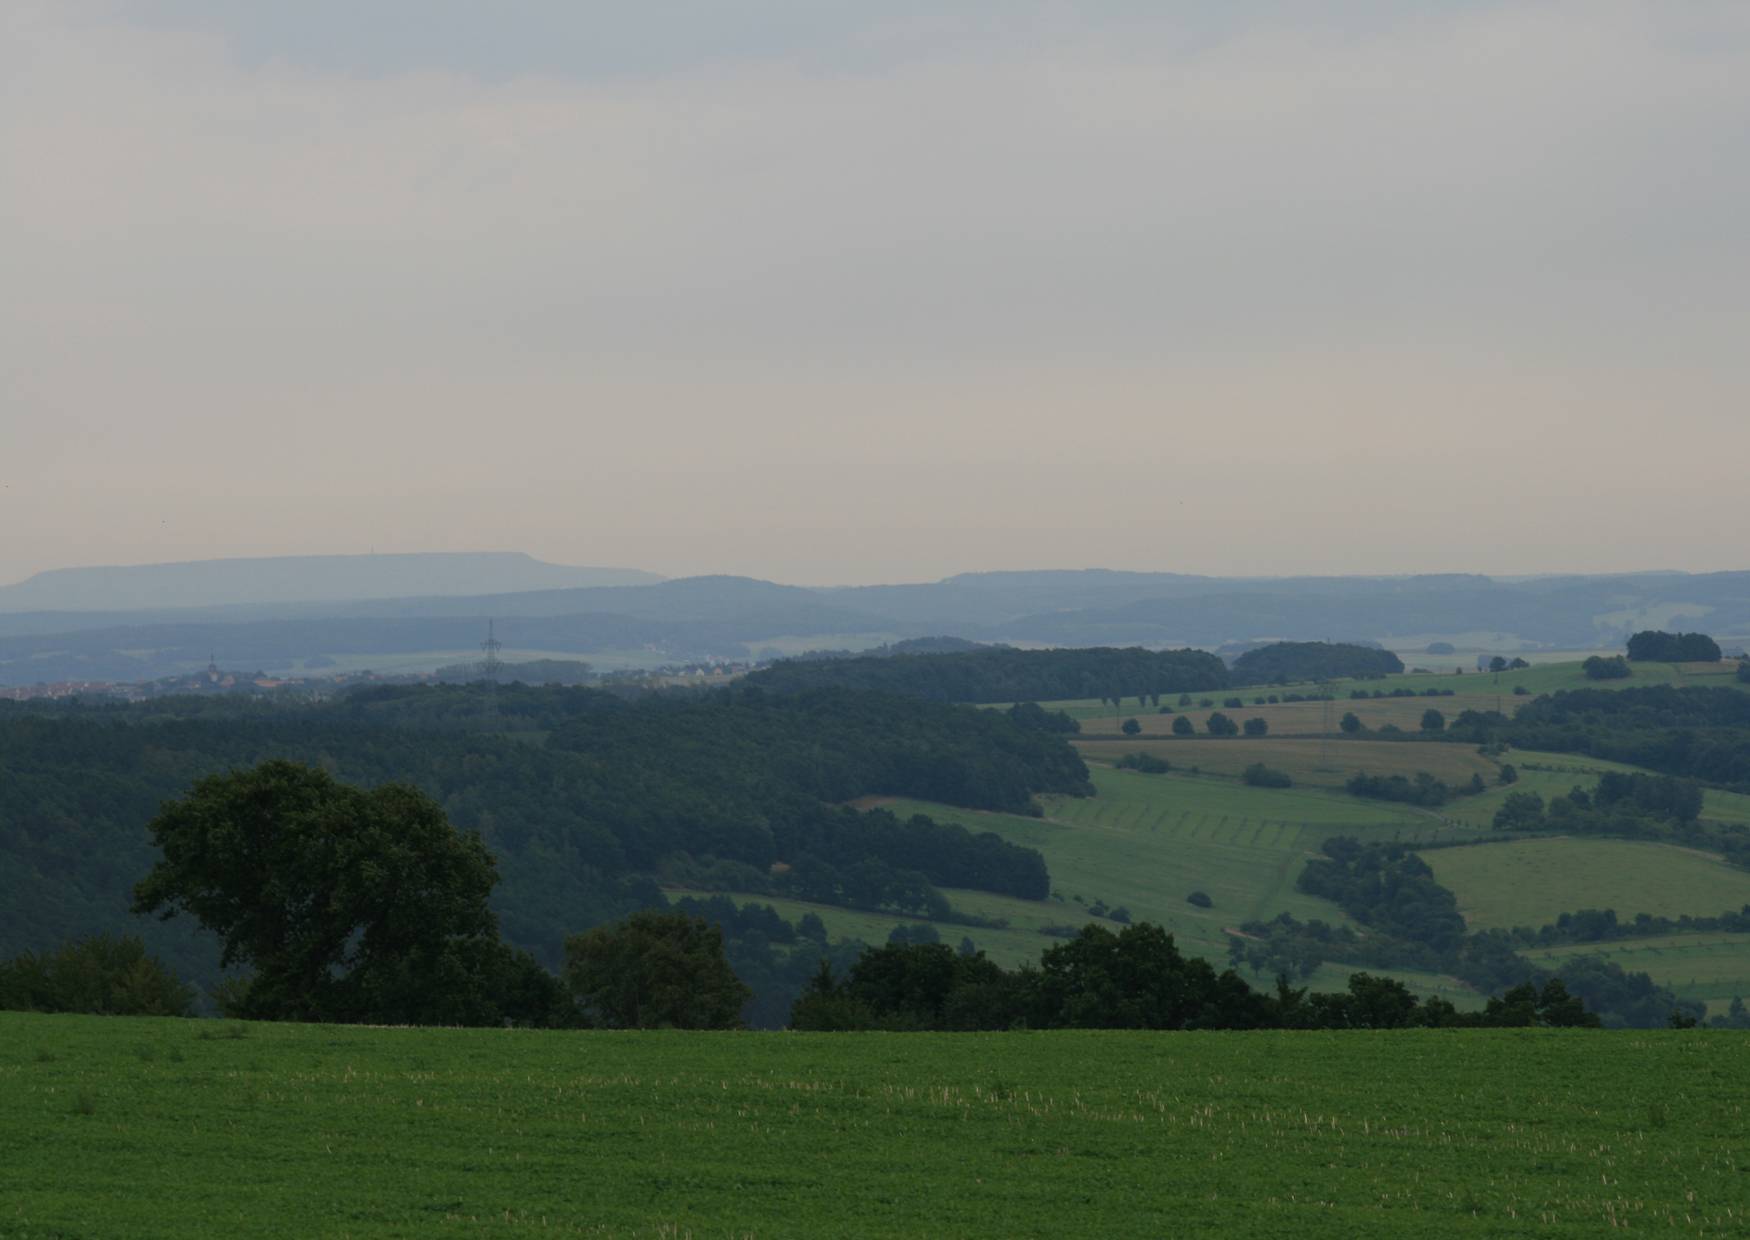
(586, 800)
(1282, 663)
(1701, 732)
(1006, 675)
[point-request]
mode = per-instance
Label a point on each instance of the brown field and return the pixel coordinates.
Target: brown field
(1315, 763)
(1305, 718)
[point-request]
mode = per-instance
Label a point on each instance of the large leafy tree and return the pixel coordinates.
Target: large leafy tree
(655, 970)
(346, 903)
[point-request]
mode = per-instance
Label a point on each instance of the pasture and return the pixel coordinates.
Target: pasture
(167, 1128)
(1146, 842)
(1714, 968)
(1529, 882)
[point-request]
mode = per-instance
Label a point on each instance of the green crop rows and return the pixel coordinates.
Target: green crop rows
(161, 1128)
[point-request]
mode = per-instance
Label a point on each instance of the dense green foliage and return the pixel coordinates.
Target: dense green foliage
(299, 1130)
(1282, 663)
(1603, 667)
(1656, 646)
(655, 970)
(1424, 790)
(1414, 922)
(345, 904)
(1006, 675)
(1259, 775)
(101, 975)
(1694, 731)
(1133, 979)
(581, 806)
(1146, 763)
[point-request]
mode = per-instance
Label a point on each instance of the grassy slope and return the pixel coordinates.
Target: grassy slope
(1711, 967)
(1530, 882)
(143, 1128)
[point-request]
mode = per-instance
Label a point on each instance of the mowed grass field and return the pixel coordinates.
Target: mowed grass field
(163, 1128)
(1714, 968)
(1530, 882)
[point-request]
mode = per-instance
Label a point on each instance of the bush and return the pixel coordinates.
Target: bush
(1200, 899)
(1182, 726)
(1232, 703)
(1433, 721)
(1131, 727)
(1509, 773)
(1600, 668)
(1521, 691)
(1220, 725)
(1146, 763)
(1256, 727)
(1260, 776)
(100, 975)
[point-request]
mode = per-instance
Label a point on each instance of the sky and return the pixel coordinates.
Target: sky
(831, 292)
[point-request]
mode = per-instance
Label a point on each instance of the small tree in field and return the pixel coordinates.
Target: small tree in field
(1220, 725)
(1256, 726)
(1182, 725)
(1350, 723)
(1433, 721)
(1131, 727)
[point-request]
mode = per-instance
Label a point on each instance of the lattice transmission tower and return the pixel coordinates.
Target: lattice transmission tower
(489, 669)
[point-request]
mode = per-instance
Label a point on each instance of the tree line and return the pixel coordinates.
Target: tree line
(1003, 674)
(1135, 978)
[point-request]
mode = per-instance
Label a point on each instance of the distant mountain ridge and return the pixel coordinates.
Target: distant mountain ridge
(300, 579)
(420, 608)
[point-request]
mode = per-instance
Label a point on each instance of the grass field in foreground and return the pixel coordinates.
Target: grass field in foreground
(161, 1128)
(1714, 968)
(1530, 882)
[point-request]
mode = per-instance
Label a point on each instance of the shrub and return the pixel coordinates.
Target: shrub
(1200, 899)
(1260, 776)
(1146, 763)
(1433, 721)
(1182, 726)
(1256, 726)
(1131, 727)
(1220, 725)
(1600, 668)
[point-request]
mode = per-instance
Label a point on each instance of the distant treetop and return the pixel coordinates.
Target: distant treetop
(1286, 662)
(1003, 674)
(1657, 646)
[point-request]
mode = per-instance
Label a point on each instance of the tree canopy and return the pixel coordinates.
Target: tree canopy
(1658, 646)
(1002, 674)
(346, 904)
(1286, 662)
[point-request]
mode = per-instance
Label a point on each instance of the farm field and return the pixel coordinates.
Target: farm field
(165, 1128)
(1471, 691)
(1714, 968)
(1315, 763)
(1530, 882)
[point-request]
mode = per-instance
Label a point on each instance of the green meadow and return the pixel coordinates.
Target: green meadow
(1714, 968)
(1532, 881)
(167, 1128)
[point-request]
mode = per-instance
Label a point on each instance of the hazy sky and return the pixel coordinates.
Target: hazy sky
(826, 291)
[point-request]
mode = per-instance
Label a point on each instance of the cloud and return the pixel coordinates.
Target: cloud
(1183, 258)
